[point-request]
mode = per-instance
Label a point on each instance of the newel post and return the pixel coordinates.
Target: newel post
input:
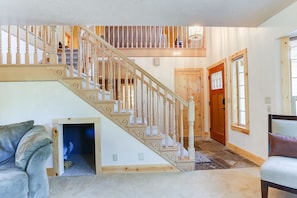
(53, 51)
(191, 119)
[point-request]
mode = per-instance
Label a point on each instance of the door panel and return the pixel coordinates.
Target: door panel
(188, 82)
(217, 103)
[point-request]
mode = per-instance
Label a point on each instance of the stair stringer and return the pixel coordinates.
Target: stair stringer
(122, 119)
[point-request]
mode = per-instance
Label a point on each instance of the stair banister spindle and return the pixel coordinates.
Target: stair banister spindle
(158, 110)
(1, 55)
(118, 36)
(35, 46)
(119, 85)
(53, 49)
(168, 36)
(127, 37)
(191, 119)
(71, 52)
(135, 82)
(132, 36)
(165, 119)
(173, 127)
(141, 37)
(44, 47)
(78, 54)
(18, 54)
(9, 46)
(126, 88)
(63, 46)
(136, 36)
(27, 58)
(142, 98)
(87, 61)
(182, 154)
(103, 76)
(110, 74)
(150, 107)
(113, 36)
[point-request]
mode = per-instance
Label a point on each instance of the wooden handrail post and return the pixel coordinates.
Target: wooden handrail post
(53, 50)
(191, 119)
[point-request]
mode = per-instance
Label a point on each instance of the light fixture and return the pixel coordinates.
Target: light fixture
(195, 32)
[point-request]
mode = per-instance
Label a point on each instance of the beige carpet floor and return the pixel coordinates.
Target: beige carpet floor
(223, 183)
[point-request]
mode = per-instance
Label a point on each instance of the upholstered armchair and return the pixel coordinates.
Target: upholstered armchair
(24, 150)
(280, 169)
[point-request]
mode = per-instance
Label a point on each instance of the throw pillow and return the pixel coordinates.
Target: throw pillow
(36, 138)
(281, 145)
(10, 136)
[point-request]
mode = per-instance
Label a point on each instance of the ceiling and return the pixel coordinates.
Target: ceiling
(229, 13)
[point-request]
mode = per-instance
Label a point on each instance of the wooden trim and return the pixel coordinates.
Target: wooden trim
(254, 158)
(164, 52)
(50, 172)
(139, 169)
(40, 72)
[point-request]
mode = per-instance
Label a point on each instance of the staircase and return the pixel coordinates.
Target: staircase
(126, 94)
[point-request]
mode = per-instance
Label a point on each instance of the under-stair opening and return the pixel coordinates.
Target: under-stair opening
(79, 149)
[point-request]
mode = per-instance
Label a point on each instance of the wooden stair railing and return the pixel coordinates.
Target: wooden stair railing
(122, 91)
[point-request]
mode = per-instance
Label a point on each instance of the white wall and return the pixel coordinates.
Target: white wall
(45, 101)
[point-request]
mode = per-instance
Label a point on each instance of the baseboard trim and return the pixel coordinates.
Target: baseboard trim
(254, 158)
(139, 169)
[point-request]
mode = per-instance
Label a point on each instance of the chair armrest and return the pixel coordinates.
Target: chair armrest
(34, 139)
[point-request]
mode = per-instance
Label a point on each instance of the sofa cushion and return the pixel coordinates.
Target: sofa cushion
(10, 136)
(280, 170)
(34, 139)
(280, 145)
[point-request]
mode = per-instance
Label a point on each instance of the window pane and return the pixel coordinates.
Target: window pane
(241, 92)
(242, 118)
(242, 104)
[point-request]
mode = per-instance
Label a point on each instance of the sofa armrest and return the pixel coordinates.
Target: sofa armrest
(34, 139)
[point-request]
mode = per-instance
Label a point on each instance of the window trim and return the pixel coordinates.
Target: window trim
(234, 121)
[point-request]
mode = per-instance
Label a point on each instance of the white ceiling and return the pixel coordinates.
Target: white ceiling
(230, 13)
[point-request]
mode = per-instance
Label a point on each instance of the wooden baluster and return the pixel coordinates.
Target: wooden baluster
(87, 60)
(119, 85)
(141, 37)
(18, 54)
(118, 36)
(113, 36)
(181, 37)
(35, 46)
(71, 52)
(155, 41)
(165, 119)
(1, 55)
(187, 36)
(53, 49)
(123, 38)
(173, 128)
(150, 107)
(132, 36)
(136, 36)
(63, 55)
(146, 36)
(142, 99)
(161, 37)
(158, 111)
(79, 62)
(173, 37)
(126, 88)
(127, 31)
(96, 69)
(9, 46)
(168, 37)
(135, 97)
(27, 58)
(150, 36)
(103, 75)
(191, 119)
(44, 47)
(110, 74)
(182, 153)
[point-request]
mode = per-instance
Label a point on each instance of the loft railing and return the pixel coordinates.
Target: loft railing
(106, 70)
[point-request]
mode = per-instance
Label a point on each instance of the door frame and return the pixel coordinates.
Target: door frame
(223, 61)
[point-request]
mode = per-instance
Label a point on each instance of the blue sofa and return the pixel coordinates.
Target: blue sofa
(24, 150)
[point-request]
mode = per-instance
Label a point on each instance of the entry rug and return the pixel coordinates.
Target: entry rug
(201, 158)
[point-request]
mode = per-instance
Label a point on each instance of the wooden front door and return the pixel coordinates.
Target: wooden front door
(217, 102)
(189, 82)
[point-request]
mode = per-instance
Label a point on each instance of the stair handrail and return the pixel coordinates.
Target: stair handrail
(119, 54)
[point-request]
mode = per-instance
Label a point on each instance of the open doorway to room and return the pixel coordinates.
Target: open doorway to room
(79, 149)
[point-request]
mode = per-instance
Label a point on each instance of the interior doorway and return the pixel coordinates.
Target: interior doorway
(216, 78)
(58, 138)
(189, 82)
(79, 149)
